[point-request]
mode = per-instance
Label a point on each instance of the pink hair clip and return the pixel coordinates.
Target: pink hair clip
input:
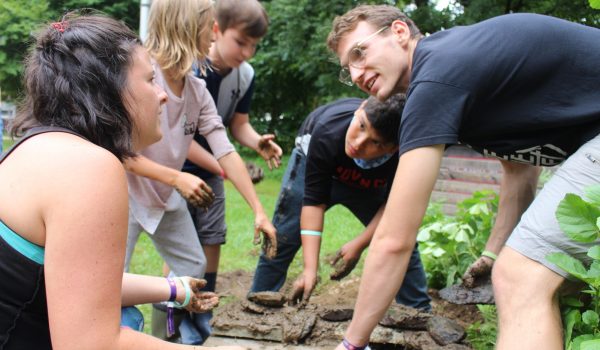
(60, 26)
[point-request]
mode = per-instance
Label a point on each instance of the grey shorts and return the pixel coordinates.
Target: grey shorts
(210, 225)
(175, 240)
(538, 233)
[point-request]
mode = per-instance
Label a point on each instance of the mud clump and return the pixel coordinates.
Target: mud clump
(331, 309)
(445, 331)
(252, 307)
(404, 317)
(291, 325)
(297, 327)
(459, 294)
(270, 299)
(336, 314)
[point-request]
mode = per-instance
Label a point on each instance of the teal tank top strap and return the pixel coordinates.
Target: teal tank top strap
(30, 250)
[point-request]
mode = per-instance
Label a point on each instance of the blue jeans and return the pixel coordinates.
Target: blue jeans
(132, 317)
(270, 275)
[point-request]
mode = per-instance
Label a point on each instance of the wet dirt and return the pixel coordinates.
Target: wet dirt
(321, 323)
(270, 299)
(459, 294)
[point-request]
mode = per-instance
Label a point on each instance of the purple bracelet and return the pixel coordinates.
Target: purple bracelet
(349, 345)
(173, 286)
(170, 317)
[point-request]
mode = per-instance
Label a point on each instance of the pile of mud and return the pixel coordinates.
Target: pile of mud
(269, 317)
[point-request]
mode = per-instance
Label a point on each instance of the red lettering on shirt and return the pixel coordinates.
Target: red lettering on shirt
(353, 177)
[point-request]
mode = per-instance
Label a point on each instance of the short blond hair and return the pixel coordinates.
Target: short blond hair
(377, 15)
(175, 28)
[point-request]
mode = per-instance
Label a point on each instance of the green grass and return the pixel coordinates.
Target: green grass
(239, 253)
(6, 142)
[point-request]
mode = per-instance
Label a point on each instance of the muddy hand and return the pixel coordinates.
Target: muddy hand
(264, 226)
(200, 301)
(302, 290)
(256, 173)
(194, 190)
(269, 244)
(270, 151)
(342, 266)
(478, 271)
(203, 302)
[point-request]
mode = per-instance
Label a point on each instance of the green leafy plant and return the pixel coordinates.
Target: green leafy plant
(448, 245)
(580, 221)
(482, 334)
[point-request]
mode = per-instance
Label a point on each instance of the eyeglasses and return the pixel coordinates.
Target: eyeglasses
(356, 58)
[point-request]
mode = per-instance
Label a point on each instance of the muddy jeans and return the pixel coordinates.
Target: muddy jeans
(270, 275)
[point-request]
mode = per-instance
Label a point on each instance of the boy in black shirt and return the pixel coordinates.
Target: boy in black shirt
(346, 153)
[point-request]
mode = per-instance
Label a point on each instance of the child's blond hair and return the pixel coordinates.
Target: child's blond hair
(175, 29)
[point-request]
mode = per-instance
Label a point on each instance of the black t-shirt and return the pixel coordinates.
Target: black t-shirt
(521, 87)
(327, 161)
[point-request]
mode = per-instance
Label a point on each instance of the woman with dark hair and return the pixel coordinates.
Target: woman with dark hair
(91, 103)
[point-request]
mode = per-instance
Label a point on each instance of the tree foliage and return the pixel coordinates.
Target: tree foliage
(18, 18)
(126, 11)
(294, 70)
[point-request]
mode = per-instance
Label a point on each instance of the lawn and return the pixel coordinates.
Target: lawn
(239, 252)
(6, 142)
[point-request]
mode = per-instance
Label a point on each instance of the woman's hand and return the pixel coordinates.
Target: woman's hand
(200, 301)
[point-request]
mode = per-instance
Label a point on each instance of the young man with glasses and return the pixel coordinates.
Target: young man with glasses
(520, 87)
(346, 153)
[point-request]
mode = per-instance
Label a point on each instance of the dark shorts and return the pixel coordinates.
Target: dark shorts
(210, 224)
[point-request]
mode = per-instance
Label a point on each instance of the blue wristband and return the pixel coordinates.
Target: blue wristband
(310, 233)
